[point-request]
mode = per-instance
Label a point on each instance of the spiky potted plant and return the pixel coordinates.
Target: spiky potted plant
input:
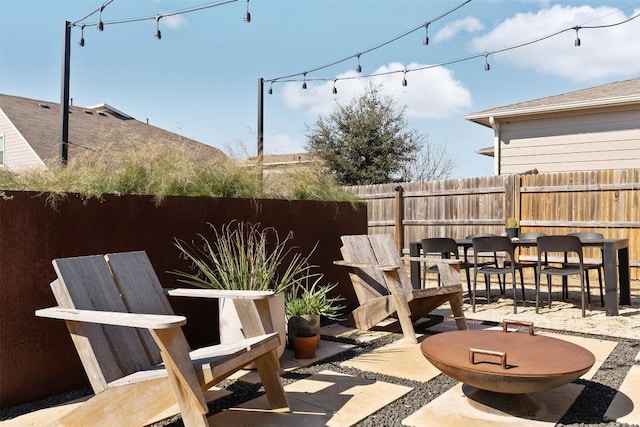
(246, 256)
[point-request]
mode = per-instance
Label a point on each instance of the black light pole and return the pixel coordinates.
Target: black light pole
(64, 95)
(260, 125)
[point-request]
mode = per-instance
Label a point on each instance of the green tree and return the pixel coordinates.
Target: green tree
(368, 142)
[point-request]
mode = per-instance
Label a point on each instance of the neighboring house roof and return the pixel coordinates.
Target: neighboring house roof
(283, 159)
(620, 93)
(90, 128)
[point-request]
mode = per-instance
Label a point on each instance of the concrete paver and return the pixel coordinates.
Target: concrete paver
(622, 408)
(289, 363)
(339, 331)
(327, 398)
(46, 416)
(453, 408)
(400, 359)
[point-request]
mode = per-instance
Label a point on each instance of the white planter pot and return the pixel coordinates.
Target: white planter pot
(231, 328)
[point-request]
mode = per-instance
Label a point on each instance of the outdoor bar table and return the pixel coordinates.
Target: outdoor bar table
(615, 253)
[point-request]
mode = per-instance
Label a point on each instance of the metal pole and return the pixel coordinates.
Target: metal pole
(260, 125)
(399, 218)
(64, 95)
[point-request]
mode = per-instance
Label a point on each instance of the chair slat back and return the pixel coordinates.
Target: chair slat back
(141, 291)
(368, 283)
(559, 244)
(445, 246)
(385, 250)
(107, 352)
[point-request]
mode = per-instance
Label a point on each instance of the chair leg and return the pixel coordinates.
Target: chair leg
(582, 281)
(515, 293)
(537, 291)
(524, 304)
(487, 279)
(473, 293)
(468, 280)
(600, 281)
(586, 278)
(268, 366)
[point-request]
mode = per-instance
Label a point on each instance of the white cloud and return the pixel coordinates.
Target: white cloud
(604, 52)
(430, 93)
(469, 25)
(174, 21)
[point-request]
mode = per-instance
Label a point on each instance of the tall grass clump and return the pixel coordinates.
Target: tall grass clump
(244, 256)
(311, 181)
(161, 170)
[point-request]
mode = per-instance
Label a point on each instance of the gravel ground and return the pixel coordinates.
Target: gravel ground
(588, 409)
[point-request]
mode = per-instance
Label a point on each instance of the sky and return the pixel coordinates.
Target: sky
(201, 79)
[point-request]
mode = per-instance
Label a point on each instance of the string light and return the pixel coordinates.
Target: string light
(158, 33)
(335, 90)
(100, 24)
(404, 79)
(487, 66)
(304, 83)
(358, 68)
(247, 15)
(425, 41)
(378, 46)
(81, 42)
(577, 41)
(271, 88)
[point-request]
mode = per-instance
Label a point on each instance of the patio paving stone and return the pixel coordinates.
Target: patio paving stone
(324, 399)
(289, 363)
(622, 408)
(453, 408)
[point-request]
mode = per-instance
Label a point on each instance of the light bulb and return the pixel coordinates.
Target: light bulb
(81, 42)
(425, 41)
(100, 25)
(158, 33)
(247, 15)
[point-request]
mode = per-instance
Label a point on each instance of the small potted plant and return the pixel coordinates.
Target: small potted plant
(512, 228)
(304, 307)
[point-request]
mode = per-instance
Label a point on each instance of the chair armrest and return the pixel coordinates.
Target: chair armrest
(135, 320)
(217, 293)
(432, 260)
(383, 267)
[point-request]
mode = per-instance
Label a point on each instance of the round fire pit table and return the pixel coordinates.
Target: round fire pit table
(506, 362)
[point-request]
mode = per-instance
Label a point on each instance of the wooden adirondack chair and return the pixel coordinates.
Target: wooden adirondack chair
(384, 289)
(133, 349)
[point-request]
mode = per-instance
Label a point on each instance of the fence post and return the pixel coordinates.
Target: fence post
(399, 217)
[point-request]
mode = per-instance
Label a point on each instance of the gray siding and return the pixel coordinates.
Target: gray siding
(602, 140)
(18, 154)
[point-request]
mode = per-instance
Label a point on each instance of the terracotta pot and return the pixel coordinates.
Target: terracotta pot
(305, 347)
(307, 321)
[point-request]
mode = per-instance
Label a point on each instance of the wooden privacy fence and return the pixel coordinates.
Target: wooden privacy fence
(606, 201)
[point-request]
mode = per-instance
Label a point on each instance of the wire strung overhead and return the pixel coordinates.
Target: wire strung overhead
(371, 49)
(485, 55)
(101, 24)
